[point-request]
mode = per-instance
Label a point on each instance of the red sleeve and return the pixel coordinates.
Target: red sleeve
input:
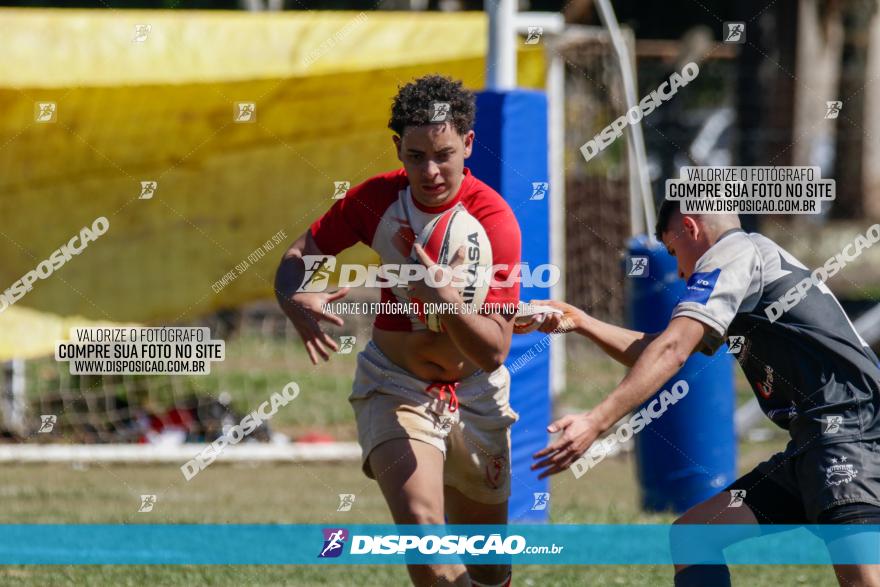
(341, 226)
(502, 229)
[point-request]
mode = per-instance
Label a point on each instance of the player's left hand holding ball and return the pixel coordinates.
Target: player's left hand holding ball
(578, 434)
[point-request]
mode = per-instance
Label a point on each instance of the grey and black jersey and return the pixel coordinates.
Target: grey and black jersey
(810, 370)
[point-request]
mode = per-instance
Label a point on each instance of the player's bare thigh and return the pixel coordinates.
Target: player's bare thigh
(431, 356)
(460, 509)
(410, 475)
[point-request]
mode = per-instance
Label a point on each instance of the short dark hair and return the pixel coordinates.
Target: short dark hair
(413, 104)
(664, 215)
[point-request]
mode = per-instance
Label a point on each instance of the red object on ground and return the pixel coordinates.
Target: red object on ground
(315, 437)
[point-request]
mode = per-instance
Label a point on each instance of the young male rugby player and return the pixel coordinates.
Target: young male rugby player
(432, 409)
(812, 373)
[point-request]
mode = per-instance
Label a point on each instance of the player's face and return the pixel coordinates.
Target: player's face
(685, 240)
(433, 157)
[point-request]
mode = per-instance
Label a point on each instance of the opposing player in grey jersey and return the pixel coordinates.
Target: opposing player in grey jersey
(811, 372)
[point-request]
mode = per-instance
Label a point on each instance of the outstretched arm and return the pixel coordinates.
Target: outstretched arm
(621, 344)
(660, 360)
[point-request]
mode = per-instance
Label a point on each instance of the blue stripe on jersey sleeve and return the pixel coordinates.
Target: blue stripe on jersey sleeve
(700, 287)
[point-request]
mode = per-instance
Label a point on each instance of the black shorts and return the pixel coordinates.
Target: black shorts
(824, 484)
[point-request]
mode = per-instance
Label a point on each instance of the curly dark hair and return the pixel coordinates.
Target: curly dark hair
(413, 105)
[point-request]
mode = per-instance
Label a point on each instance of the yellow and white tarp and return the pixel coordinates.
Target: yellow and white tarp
(95, 103)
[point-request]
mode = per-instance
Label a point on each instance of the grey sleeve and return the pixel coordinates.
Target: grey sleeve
(723, 277)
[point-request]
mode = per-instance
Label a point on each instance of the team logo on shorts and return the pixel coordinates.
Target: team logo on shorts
(496, 469)
(334, 540)
(765, 388)
(840, 472)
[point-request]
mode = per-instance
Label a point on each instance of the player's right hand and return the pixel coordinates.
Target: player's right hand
(306, 311)
(571, 318)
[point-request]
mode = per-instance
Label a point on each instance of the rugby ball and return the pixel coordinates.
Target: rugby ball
(440, 239)
(529, 317)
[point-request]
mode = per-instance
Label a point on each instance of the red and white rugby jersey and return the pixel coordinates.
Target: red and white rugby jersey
(382, 213)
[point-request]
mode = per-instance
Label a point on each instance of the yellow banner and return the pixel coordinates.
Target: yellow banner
(98, 105)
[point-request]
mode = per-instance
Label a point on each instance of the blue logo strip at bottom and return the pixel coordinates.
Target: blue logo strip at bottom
(388, 544)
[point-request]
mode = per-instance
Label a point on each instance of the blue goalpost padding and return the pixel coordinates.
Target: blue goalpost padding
(689, 453)
(510, 154)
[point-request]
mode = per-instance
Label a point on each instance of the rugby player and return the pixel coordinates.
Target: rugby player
(811, 372)
(432, 409)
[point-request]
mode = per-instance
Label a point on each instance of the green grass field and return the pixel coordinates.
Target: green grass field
(295, 493)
